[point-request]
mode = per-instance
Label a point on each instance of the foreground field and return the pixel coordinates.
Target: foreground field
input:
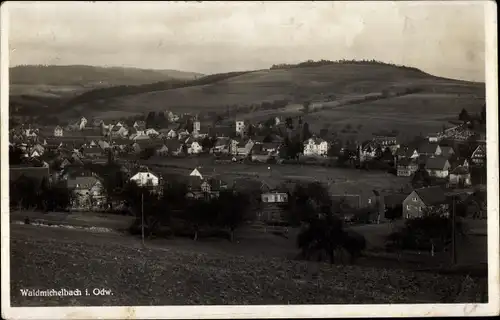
(43, 258)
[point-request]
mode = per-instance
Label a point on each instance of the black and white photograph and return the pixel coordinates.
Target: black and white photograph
(249, 159)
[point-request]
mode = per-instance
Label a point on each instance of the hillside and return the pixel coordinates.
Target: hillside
(354, 93)
(362, 96)
(175, 275)
(89, 76)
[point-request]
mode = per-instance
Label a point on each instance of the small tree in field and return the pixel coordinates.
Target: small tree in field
(232, 208)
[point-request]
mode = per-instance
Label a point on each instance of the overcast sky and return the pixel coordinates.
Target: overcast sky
(445, 39)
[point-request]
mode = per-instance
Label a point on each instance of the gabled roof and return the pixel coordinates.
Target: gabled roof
(436, 163)
(431, 195)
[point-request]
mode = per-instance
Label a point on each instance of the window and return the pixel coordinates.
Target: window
(414, 199)
(369, 201)
(407, 207)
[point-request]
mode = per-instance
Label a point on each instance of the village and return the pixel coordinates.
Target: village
(427, 169)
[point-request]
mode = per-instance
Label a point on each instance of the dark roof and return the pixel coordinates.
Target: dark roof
(143, 144)
(460, 170)
(431, 195)
(395, 199)
(435, 163)
(92, 150)
(172, 144)
(37, 173)
(80, 182)
(221, 131)
(270, 145)
(446, 151)
(427, 147)
(406, 162)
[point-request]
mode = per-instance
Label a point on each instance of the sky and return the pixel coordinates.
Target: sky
(444, 39)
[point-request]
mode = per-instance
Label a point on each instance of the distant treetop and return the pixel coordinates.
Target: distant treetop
(312, 63)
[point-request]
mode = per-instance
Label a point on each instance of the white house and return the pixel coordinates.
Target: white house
(196, 127)
(35, 154)
(240, 127)
(438, 167)
(315, 147)
(195, 148)
(139, 124)
(58, 131)
(172, 134)
(196, 173)
(145, 179)
(82, 123)
(152, 132)
(478, 156)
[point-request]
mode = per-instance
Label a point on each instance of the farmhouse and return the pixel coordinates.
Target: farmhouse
(385, 138)
(222, 145)
(194, 147)
(420, 200)
(152, 132)
(478, 156)
(241, 147)
(460, 176)
(139, 124)
(240, 127)
(145, 179)
(88, 192)
(437, 167)
(406, 167)
(196, 173)
(58, 131)
(315, 147)
(162, 151)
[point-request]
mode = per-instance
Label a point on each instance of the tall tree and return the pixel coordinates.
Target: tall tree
(464, 116)
(306, 134)
(483, 115)
(150, 119)
(232, 208)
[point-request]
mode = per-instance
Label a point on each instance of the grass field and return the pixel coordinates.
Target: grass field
(44, 258)
(312, 83)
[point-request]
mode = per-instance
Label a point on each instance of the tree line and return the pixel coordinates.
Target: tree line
(312, 63)
(125, 90)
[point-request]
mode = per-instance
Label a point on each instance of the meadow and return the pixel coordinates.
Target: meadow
(170, 275)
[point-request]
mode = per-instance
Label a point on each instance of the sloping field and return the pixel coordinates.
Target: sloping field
(410, 115)
(312, 83)
(43, 258)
